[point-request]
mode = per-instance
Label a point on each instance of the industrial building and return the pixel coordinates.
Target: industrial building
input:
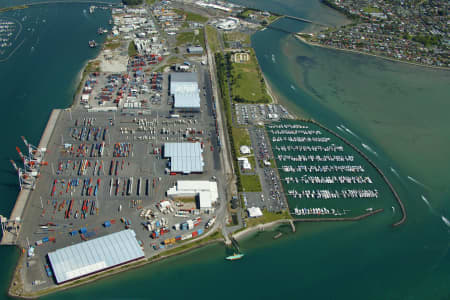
(184, 158)
(185, 91)
(195, 50)
(96, 255)
(205, 191)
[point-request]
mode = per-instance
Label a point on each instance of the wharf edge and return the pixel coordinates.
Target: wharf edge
(10, 238)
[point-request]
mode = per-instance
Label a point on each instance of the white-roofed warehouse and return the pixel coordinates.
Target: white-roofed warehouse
(185, 91)
(184, 158)
(96, 255)
(206, 191)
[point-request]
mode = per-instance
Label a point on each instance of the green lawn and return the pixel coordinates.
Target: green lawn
(213, 39)
(132, 49)
(370, 9)
(241, 137)
(112, 45)
(189, 37)
(250, 183)
(191, 16)
(267, 218)
(248, 85)
(236, 36)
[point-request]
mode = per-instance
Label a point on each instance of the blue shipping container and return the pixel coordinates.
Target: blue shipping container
(74, 232)
(83, 230)
(107, 224)
(45, 240)
(200, 231)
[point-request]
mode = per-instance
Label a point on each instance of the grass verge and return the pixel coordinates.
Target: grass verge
(191, 17)
(191, 38)
(267, 218)
(250, 183)
(213, 38)
(132, 51)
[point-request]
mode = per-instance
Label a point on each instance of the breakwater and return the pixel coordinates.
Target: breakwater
(391, 188)
(357, 218)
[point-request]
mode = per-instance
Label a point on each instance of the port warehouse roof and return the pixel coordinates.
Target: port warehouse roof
(95, 255)
(184, 88)
(184, 157)
(206, 191)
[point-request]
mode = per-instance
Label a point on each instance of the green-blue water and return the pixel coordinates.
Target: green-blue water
(396, 110)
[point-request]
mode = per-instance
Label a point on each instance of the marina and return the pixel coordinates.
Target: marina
(321, 176)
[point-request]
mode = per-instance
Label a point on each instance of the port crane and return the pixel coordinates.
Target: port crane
(35, 153)
(27, 178)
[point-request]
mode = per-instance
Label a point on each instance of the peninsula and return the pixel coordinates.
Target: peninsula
(174, 141)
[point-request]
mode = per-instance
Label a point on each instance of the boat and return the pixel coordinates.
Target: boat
(278, 235)
(92, 44)
(235, 256)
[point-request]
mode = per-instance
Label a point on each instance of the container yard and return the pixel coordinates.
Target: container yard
(321, 175)
(101, 169)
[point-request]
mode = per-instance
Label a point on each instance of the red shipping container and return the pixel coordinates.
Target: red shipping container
(194, 234)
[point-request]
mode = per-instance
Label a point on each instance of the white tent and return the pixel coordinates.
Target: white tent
(254, 212)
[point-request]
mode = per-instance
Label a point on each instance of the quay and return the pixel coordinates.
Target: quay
(10, 236)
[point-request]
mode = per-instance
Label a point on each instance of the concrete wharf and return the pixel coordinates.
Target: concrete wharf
(10, 236)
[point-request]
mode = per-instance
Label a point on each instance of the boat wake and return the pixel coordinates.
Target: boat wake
(340, 129)
(293, 87)
(417, 182)
(273, 59)
(369, 149)
(395, 172)
(351, 132)
(446, 221)
(427, 203)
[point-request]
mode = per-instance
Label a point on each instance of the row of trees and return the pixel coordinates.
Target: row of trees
(223, 68)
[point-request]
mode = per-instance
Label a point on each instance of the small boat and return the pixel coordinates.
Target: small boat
(235, 256)
(278, 235)
(92, 44)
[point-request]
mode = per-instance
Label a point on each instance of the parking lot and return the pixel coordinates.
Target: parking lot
(255, 113)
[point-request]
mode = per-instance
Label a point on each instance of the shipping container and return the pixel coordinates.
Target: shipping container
(38, 243)
(199, 231)
(45, 240)
(72, 233)
(83, 230)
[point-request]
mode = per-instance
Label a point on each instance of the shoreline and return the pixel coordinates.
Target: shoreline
(302, 39)
(191, 245)
(260, 227)
(108, 273)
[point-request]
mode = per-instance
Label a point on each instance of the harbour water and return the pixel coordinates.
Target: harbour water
(396, 111)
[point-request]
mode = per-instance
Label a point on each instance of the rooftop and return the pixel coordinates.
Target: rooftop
(184, 157)
(95, 255)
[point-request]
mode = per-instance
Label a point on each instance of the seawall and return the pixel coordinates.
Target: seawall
(9, 237)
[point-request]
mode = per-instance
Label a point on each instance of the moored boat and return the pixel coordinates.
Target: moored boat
(235, 256)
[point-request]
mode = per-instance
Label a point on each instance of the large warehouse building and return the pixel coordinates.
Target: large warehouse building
(96, 255)
(184, 158)
(206, 191)
(185, 91)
